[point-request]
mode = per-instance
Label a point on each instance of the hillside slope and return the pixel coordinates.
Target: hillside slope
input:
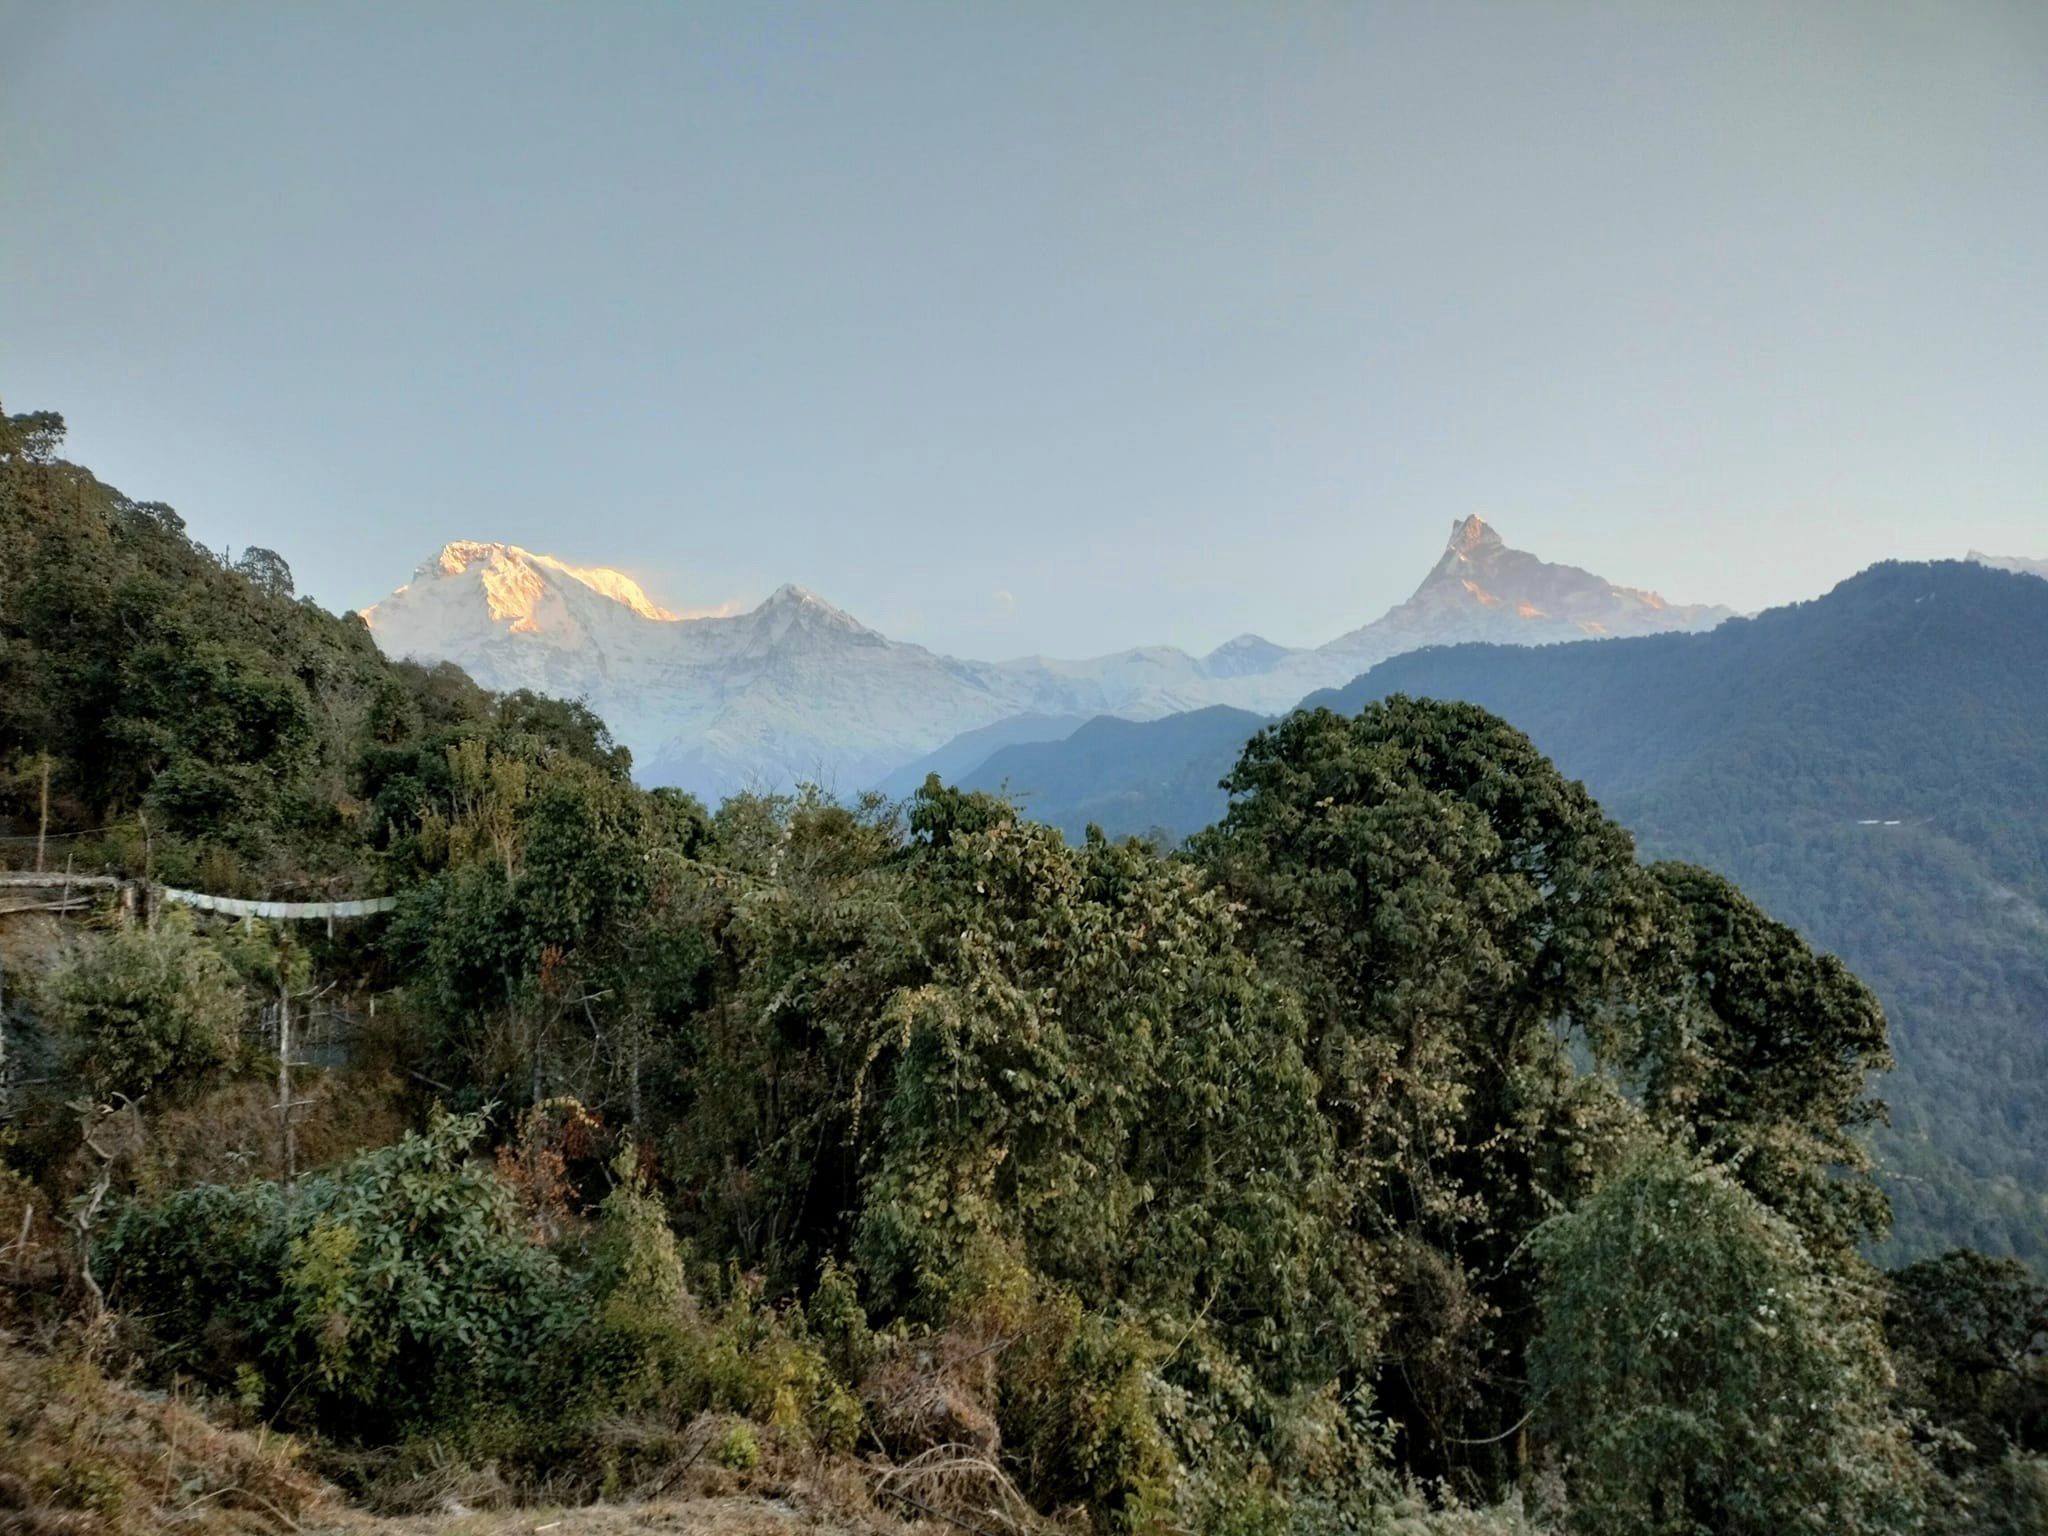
(1140, 777)
(1871, 765)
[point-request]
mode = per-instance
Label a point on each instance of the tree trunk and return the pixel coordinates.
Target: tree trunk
(288, 1149)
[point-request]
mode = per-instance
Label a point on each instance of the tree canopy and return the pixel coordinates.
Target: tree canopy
(1403, 1149)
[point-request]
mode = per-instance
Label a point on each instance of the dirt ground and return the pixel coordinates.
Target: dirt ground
(714, 1516)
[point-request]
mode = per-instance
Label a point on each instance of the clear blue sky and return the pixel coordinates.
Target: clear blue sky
(1044, 327)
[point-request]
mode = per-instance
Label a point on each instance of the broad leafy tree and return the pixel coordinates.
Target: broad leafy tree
(1698, 1371)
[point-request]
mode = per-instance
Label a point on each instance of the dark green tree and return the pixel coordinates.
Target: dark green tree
(149, 1010)
(1764, 1058)
(1453, 913)
(1970, 1336)
(1699, 1372)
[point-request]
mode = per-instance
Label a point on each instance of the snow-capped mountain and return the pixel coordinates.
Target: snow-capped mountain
(514, 619)
(791, 690)
(1482, 590)
(2022, 563)
(795, 689)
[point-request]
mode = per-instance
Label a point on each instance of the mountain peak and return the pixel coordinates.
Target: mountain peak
(513, 579)
(1246, 655)
(792, 603)
(457, 555)
(1481, 588)
(2024, 564)
(1470, 534)
(523, 592)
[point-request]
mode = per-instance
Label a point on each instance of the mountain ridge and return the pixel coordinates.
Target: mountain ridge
(2025, 564)
(796, 689)
(1868, 764)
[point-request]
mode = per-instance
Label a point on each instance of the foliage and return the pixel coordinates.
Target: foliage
(1700, 1372)
(386, 1293)
(1403, 1156)
(148, 1009)
(1867, 767)
(197, 715)
(1447, 906)
(1970, 1335)
(548, 889)
(1765, 1057)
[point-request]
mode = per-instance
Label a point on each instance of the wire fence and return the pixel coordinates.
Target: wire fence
(324, 1032)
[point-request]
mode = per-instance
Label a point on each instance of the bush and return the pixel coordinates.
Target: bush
(1077, 1397)
(648, 1350)
(395, 1292)
(639, 1340)
(149, 1009)
(1700, 1372)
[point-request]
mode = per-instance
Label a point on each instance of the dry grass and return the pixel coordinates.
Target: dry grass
(789, 1495)
(961, 1488)
(230, 1135)
(728, 1515)
(37, 943)
(935, 1391)
(81, 1455)
(84, 1456)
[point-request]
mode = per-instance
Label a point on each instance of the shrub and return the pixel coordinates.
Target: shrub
(739, 1447)
(1700, 1371)
(394, 1292)
(1077, 1396)
(648, 1349)
(639, 1339)
(148, 1009)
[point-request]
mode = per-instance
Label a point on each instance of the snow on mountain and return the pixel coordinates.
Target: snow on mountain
(795, 689)
(2021, 563)
(1483, 590)
(1245, 656)
(516, 619)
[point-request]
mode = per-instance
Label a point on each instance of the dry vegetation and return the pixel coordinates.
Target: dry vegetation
(80, 1453)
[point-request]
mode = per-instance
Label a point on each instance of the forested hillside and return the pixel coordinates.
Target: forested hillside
(1131, 777)
(1405, 1156)
(167, 709)
(1872, 766)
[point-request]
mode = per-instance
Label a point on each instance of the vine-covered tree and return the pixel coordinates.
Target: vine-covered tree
(1698, 1371)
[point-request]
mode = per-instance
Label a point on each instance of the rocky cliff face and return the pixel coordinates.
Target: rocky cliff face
(795, 689)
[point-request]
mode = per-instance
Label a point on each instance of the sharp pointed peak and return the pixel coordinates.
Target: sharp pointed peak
(457, 555)
(1470, 533)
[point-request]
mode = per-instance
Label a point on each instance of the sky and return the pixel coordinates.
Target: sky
(1044, 327)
